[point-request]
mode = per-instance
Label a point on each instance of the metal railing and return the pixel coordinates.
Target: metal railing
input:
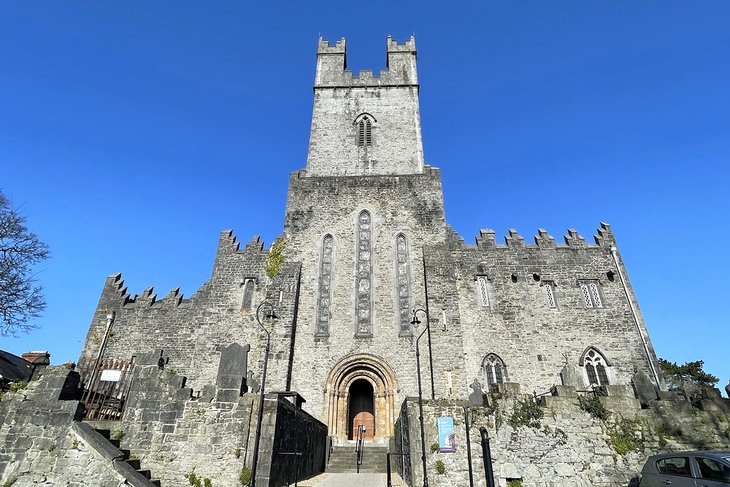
(106, 387)
(296, 456)
(360, 446)
(389, 480)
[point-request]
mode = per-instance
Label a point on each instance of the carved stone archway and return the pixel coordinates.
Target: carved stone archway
(337, 394)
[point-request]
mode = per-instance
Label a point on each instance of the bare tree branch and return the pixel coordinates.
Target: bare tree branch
(21, 297)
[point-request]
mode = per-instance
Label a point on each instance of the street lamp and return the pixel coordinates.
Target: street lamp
(270, 315)
(415, 322)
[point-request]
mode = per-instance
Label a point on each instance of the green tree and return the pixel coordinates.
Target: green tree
(691, 372)
(21, 297)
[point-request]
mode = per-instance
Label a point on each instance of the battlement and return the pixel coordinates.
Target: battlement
(604, 239)
(332, 69)
(326, 47)
(393, 46)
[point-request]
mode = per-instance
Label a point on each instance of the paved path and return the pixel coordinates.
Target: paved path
(353, 480)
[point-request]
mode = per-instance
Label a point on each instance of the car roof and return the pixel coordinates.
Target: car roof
(718, 453)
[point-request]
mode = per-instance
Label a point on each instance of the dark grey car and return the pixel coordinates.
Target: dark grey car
(687, 469)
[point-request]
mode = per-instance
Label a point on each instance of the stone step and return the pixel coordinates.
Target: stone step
(343, 459)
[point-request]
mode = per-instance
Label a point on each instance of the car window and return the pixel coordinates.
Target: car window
(674, 466)
(712, 469)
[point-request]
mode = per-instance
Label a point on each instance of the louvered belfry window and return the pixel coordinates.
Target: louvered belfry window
(364, 132)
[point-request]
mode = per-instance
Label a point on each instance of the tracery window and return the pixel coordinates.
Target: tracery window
(403, 283)
(363, 278)
(364, 132)
(324, 299)
(494, 370)
(591, 294)
(595, 367)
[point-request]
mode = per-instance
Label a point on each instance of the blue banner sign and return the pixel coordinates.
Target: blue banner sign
(447, 437)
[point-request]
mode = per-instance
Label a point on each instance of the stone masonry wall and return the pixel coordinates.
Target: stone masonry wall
(390, 99)
(407, 204)
(534, 340)
(172, 433)
(37, 444)
(569, 448)
(191, 332)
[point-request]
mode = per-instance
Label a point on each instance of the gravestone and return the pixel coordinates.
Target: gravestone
(476, 397)
(232, 372)
(569, 376)
(644, 389)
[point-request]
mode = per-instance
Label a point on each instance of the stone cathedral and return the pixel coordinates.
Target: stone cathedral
(364, 242)
(539, 343)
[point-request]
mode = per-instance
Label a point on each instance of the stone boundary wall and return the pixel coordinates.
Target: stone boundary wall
(173, 433)
(37, 443)
(567, 446)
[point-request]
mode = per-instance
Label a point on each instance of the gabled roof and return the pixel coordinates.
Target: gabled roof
(14, 368)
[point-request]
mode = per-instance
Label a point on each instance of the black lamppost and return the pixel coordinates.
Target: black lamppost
(416, 322)
(428, 334)
(487, 456)
(271, 316)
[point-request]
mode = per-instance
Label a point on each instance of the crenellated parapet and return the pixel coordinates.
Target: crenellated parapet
(574, 239)
(604, 239)
(332, 69)
(114, 290)
(544, 240)
(227, 243)
(486, 239)
(514, 239)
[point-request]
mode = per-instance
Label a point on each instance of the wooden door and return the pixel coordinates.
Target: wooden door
(367, 419)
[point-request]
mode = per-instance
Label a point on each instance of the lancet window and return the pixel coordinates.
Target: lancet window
(402, 263)
(364, 131)
(363, 278)
(248, 288)
(324, 299)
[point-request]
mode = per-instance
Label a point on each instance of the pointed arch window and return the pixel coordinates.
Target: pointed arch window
(324, 299)
(364, 126)
(595, 365)
(494, 371)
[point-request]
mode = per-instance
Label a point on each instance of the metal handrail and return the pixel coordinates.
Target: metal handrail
(359, 447)
(389, 480)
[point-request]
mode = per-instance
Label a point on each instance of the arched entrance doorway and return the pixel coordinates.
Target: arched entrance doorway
(360, 391)
(361, 410)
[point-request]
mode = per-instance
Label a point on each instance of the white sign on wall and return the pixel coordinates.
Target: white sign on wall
(111, 375)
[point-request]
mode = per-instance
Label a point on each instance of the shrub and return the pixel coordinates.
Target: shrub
(594, 407)
(18, 386)
(440, 468)
(526, 413)
(245, 477)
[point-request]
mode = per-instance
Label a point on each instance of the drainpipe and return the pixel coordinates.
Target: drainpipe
(614, 254)
(109, 321)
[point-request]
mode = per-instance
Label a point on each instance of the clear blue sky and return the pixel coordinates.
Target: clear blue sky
(132, 133)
